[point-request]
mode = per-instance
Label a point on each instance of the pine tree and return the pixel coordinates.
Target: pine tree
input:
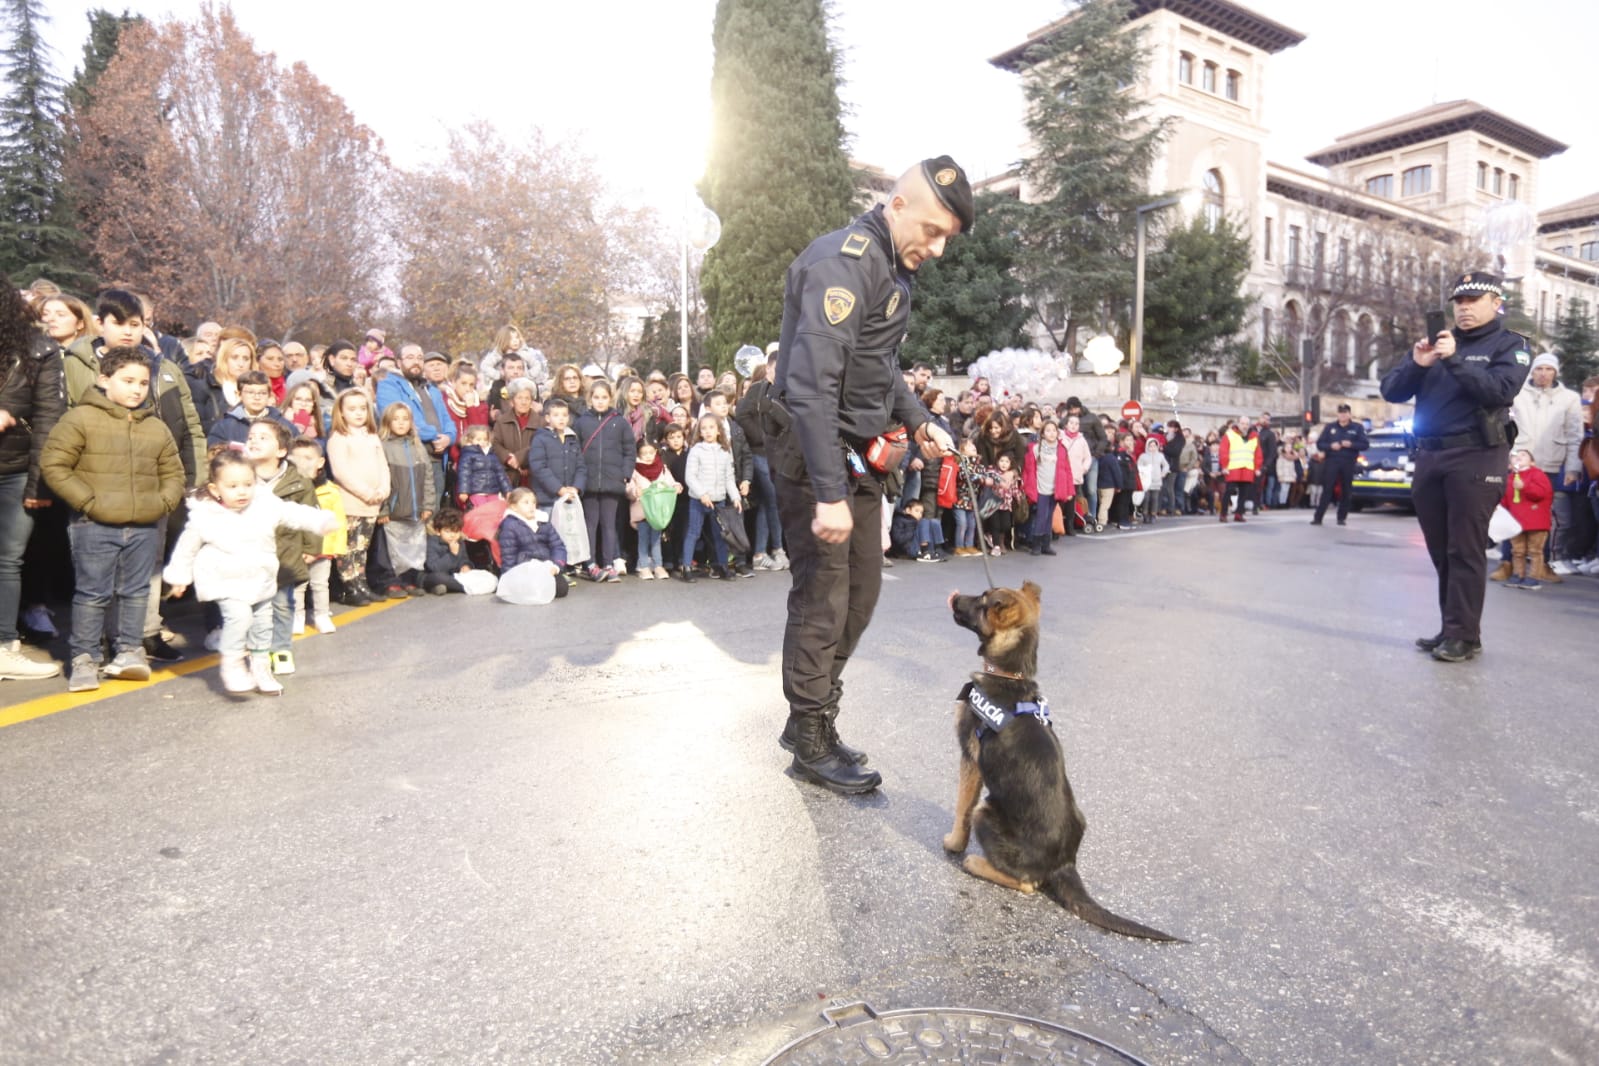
(1576, 341)
(1092, 151)
(1194, 302)
(777, 174)
(105, 33)
(968, 303)
(34, 238)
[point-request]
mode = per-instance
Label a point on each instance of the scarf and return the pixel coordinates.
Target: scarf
(651, 471)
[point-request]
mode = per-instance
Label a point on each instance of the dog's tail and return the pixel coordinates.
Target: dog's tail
(1066, 888)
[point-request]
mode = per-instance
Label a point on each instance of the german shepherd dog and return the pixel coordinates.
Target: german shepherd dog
(1029, 825)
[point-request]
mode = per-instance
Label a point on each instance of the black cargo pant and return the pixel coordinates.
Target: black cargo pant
(1339, 475)
(835, 586)
(1455, 491)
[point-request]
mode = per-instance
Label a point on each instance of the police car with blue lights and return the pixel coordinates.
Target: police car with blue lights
(1384, 470)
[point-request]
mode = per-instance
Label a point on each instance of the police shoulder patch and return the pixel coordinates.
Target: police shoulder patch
(837, 303)
(855, 245)
(893, 304)
(1522, 358)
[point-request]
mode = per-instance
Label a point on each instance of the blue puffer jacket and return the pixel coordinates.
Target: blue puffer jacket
(521, 540)
(608, 451)
(554, 463)
(234, 427)
(479, 473)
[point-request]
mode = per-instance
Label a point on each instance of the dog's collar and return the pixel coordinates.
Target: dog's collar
(990, 668)
(993, 716)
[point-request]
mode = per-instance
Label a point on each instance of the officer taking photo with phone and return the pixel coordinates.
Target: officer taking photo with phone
(846, 306)
(1463, 381)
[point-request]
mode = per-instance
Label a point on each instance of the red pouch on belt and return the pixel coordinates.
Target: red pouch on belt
(888, 451)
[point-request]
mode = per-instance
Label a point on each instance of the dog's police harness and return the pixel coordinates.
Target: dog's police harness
(993, 716)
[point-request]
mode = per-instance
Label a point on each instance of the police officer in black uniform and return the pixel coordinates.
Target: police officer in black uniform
(1340, 445)
(1463, 381)
(846, 305)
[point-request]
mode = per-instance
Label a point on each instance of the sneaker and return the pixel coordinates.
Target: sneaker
(1531, 584)
(1513, 582)
(610, 576)
(780, 557)
(130, 665)
(1562, 567)
(15, 666)
(763, 561)
(661, 574)
(996, 551)
(323, 624)
(213, 639)
(687, 575)
(620, 566)
(439, 589)
(85, 676)
(283, 662)
(412, 590)
(395, 592)
(594, 573)
(39, 619)
(1590, 567)
(743, 569)
(158, 649)
(299, 623)
(645, 574)
(721, 573)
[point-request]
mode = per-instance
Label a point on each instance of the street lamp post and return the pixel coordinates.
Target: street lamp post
(1136, 361)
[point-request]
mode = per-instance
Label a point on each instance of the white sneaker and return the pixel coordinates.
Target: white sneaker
(620, 566)
(323, 624)
(261, 674)
(1562, 567)
(15, 666)
(213, 639)
(780, 557)
(299, 623)
(1590, 567)
(40, 619)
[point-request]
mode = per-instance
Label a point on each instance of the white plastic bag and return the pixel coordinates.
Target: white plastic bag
(1503, 525)
(529, 584)
(477, 582)
(1138, 497)
(567, 517)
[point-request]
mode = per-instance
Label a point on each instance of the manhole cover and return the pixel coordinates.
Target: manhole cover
(857, 1034)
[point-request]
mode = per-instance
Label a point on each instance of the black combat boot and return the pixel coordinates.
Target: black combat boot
(816, 761)
(787, 738)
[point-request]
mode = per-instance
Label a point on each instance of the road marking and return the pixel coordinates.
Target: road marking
(66, 701)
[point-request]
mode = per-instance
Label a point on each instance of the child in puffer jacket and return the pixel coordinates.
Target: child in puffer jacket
(1152, 471)
(229, 553)
(479, 474)
(1527, 498)
(526, 534)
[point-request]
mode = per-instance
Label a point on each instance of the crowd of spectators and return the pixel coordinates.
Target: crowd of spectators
(438, 466)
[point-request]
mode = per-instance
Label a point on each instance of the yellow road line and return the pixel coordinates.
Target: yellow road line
(65, 701)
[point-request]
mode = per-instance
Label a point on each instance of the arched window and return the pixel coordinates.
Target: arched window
(1185, 68)
(1339, 351)
(1365, 341)
(1215, 202)
(1293, 331)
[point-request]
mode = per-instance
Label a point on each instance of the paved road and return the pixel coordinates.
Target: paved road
(473, 833)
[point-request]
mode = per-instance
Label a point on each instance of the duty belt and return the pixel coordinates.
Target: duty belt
(1458, 440)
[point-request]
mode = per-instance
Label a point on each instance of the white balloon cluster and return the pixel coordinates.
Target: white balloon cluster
(1036, 376)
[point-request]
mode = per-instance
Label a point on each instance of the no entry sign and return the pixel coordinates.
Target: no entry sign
(1132, 409)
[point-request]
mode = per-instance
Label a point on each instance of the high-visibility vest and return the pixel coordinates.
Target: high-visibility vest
(1241, 451)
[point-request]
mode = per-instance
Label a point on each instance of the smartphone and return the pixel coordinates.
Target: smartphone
(1437, 322)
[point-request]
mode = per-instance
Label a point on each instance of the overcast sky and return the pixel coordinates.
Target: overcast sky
(629, 78)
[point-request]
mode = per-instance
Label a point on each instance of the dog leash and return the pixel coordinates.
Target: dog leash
(977, 517)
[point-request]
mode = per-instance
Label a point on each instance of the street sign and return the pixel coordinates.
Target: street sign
(1132, 409)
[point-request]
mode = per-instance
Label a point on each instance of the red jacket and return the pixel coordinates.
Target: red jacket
(1530, 503)
(1242, 473)
(1064, 487)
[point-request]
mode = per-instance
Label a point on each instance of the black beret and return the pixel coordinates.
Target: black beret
(1476, 282)
(949, 184)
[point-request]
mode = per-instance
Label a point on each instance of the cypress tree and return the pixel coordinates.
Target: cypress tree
(34, 239)
(105, 33)
(777, 172)
(1092, 147)
(968, 303)
(1577, 342)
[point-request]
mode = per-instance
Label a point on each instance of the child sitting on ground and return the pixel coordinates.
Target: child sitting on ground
(446, 553)
(229, 553)
(307, 457)
(479, 474)
(904, 530)
(526, 534)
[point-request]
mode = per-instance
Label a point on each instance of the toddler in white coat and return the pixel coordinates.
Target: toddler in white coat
(229, 553)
